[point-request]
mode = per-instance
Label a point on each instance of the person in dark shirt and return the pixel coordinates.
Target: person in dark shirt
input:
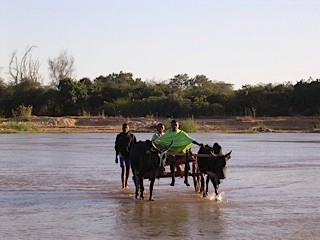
(122, 146)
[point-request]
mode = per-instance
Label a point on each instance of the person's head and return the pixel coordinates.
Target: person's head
(125, 128)
(161, 128)
(174, 125)
(216, 148)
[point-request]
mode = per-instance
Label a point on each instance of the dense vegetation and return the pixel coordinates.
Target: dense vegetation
(182, 96)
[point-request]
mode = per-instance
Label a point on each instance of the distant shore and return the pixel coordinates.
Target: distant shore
(147, 124)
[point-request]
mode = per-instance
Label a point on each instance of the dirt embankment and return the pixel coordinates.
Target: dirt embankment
(144, 124)
(93, 124)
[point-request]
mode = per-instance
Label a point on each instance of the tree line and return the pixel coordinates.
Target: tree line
(120, 94)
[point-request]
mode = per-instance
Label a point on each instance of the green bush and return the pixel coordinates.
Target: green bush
(189, 125)
(23, 113)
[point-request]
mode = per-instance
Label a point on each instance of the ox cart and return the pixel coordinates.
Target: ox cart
(146, 163)
(190, 159)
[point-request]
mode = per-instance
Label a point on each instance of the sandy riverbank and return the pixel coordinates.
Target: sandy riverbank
(145, 124)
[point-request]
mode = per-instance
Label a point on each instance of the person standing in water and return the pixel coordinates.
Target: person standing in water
(123, 143)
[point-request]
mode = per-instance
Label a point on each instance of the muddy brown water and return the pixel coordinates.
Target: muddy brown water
(67, 186)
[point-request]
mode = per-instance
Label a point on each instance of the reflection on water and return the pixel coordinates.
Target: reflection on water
(179, 217)
(67, 186)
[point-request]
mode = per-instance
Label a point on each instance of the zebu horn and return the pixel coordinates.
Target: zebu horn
(163, 151)
(168, 147)
(214, 155)
(228, 155)
(154, 146)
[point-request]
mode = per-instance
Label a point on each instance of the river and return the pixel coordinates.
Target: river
(67, 186)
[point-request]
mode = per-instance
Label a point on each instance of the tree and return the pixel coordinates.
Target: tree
(306, 97)
(26, 69)
(180, 81)
(61, 67)
(68, 97)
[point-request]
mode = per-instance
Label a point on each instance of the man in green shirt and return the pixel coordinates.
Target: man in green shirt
(182, 142)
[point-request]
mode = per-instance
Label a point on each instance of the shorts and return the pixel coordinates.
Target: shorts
(124, 162)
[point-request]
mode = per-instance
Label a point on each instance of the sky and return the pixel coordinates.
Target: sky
(240, 42)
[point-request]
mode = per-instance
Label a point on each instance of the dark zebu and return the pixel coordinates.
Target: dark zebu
(145, 163)
(213, 167)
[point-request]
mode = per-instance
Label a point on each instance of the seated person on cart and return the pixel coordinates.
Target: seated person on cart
(182, 143)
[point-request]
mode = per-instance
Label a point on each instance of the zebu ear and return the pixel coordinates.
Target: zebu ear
(228, 155)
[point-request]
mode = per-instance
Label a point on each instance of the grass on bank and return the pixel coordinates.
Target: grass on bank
(188, 125)
(18, 127)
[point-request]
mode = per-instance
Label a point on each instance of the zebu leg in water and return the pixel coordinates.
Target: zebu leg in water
(216, 186)
(151, 188)
(202, 179)
(141, 187)
(172, 168)
(215, 182)
(186, 171)
(136, 183)
(214, 179)
(206, 187)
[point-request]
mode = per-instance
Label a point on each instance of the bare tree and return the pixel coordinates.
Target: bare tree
(61, 67)
(26, 69)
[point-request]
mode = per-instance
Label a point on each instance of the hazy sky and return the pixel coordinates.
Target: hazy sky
(238, 42)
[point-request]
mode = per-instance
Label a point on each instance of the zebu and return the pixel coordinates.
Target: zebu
(213, 167)
(145, 163)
